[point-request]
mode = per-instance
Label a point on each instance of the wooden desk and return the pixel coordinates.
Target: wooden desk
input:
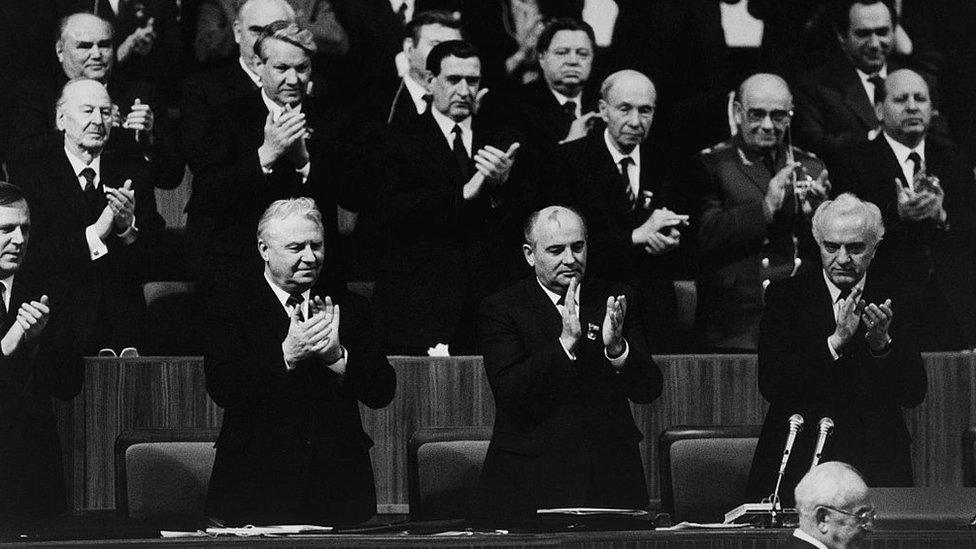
(152, 392)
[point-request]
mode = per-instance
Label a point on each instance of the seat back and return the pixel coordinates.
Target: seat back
(969, 456)
(443, 467)
(704, 470)
(163, 472)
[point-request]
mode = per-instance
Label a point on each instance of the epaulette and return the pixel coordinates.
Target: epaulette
(797, 151)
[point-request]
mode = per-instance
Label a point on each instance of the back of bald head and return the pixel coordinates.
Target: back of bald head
(626, 77)
(764, 83)
(550, 214)
(832, 483)
(270, 10)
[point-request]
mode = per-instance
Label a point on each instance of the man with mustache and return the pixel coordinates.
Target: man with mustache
(85, 50)
(925, 188)
(290, 358)
(451, 200)
(756, 197)
(838, 342)
(94, 220)
(39, 359)
(275, 142)
(565, 358)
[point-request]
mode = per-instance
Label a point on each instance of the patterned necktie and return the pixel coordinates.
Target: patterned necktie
(878, 84)
(625, 163)
(916, 162)
(296, 300)
(461, 153)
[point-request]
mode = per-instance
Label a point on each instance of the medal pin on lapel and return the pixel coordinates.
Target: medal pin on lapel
(592, 331)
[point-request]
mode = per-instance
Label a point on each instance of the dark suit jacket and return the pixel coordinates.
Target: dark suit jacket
(864, 395)
(292, 446)
(734, 238)
(104, 297)
(535, 112)
(556, 420)
(832, 109)
(584, 175)
(442, 255)
(31, 480)
(920, 252)
(231, 187)
(794, 542)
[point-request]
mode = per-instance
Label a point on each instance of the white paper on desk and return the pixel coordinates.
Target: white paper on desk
(588, 511)
(177, 534)
(273, 530)
(706, 526)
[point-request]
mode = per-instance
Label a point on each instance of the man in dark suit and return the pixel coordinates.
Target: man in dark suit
(290, 376)
(205, 96)
(616, 181)
(274, 143)
(94, 221)
(834, 102)
(931, 223)
(38, 360)
(563, 367)
(560, 106)
(834, 507)
(449, 205)
(756, 196)
(836, 343)
(85, 50)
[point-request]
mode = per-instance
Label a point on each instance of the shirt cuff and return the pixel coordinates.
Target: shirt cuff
(571, 356)
(620, 360)
(96, 248)
(304, 171)
(833, 352)
(129, 235)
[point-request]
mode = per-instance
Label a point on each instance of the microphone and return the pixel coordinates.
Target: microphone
(826, 426)
(796, 425)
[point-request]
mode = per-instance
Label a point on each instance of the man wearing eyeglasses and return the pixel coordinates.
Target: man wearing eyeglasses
(834, 508)
(838, 342)
(757, 194)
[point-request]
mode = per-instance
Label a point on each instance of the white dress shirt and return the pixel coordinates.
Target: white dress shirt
(418, 93)
(562, 99)
(446, 124)
(96, 247)
(8, 285)
(276, 111)
(902, 152)
(633, 170)
(554, 297)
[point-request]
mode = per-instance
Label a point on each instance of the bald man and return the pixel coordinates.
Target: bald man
(755, 198)
(85, 50)
(931, 227)
(564, 357)
(634, 214)
(834, 507)
(94, 218)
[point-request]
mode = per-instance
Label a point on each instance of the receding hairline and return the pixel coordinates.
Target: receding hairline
(550, 214)
(73, 19)
(759, 81)
(252, 5)
(619, 77)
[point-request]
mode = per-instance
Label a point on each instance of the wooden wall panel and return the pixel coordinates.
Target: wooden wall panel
(151, 392)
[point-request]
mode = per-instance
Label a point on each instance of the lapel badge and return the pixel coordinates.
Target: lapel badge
(592, 331)
(646, 198)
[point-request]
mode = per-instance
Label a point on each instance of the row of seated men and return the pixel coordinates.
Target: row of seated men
(444, 188)
(290, 356)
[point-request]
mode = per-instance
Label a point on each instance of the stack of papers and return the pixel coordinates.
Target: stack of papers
(592, 511)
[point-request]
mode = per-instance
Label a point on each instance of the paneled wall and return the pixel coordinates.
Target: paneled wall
(122, 394)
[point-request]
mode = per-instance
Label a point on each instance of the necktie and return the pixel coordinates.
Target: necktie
(878, 84)
(3, 299)
(569, 108)
(92, 198)
(296, 300)
(460, 153)
(916, 162)
(625, 164)
(402, 13)
(844, 294)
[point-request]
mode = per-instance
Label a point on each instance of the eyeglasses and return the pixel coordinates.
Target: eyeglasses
(778, 116)
(865, 518)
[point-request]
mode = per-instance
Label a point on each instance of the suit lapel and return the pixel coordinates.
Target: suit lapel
(438, 149)
(264, 305)
(548, 319)
(70, 189)
(856, 99)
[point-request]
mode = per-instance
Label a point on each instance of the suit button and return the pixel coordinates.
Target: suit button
(765, 242)
(765, 263)
(308, 442)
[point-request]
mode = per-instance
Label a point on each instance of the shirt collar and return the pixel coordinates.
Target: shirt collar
(8, 284)
(901, 151)
(446, 124)
(809, 539)
(419, 94)
(835, 291)
(883, 73)
(283, 295)
(250, 74)
(77, 165)
(617, 155)
(562, 99)
(395, 6)
(554, 297)
(275, 108)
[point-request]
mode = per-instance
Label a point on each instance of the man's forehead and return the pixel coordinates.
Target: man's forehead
(901, 82)
(845, 229)
(869, 16)
(436, 30)
(569, 38)
(94, 96)
(283, 52)
(87, 28)
(263, 14)
(468, 66)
